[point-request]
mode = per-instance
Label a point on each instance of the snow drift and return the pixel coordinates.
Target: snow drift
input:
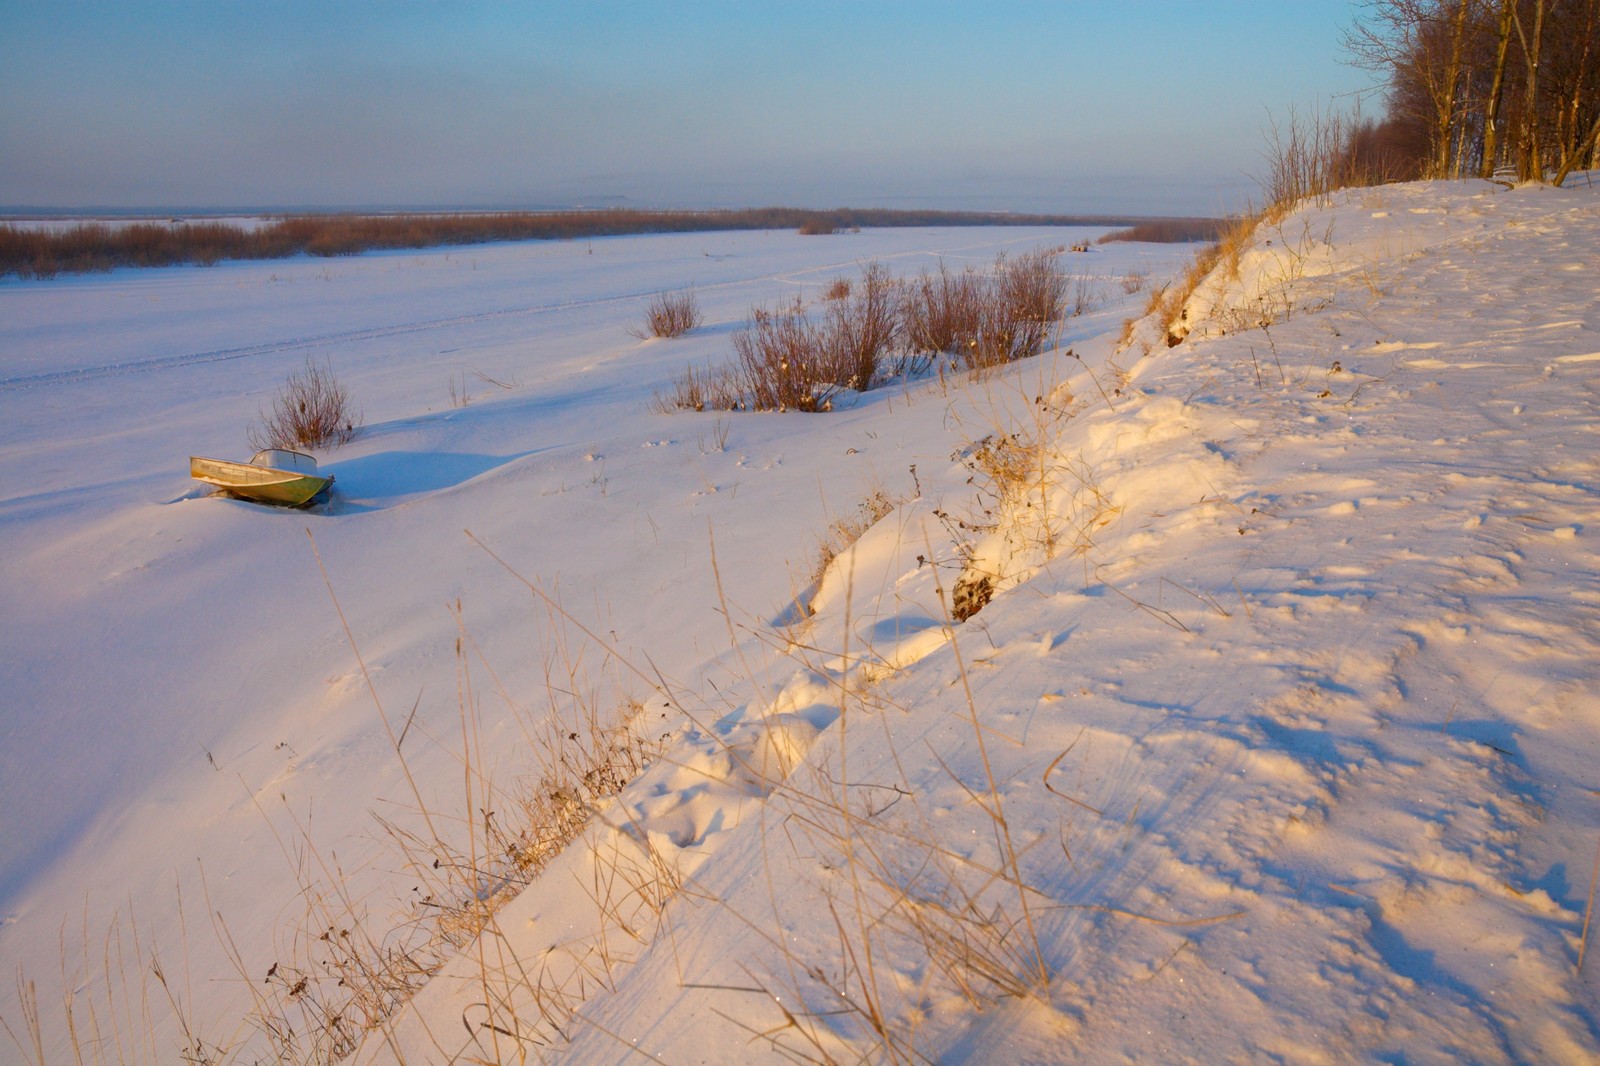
(1272, 739)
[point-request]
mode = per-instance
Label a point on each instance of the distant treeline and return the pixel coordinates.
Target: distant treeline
(45, 252)
(1170, 231)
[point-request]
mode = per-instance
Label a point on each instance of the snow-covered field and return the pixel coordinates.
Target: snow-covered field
(1277, 741)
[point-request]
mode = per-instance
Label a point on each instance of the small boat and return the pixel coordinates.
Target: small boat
(274, 475)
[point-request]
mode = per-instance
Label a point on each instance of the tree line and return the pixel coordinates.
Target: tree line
(1481, 88)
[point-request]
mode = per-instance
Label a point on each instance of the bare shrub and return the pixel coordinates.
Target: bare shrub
(789, 362)
(1022, 301)
(1084, 295)
(311, 410)
(670, 314)
(986, 320)
(860, 329)
(837, 289)
(1032, 292)
(777, 367)
(940, 312)
(1312, 156)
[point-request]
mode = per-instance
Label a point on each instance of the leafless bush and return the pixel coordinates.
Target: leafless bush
(777, 367)
(1312, 156)
(1084, 295)
(1032, 295)
(986, 320)
(311, 410)
(861, 328)
(940, 312)
(670, 314)
(789, 362)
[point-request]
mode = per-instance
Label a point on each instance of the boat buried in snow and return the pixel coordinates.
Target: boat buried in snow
(274, 475)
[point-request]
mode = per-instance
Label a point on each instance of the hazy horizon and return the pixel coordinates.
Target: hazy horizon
(1154, 108)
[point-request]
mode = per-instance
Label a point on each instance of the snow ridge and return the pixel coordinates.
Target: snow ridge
(1288, 677)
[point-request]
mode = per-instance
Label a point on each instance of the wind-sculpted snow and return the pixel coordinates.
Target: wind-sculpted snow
(1320, 685)
(1272, 738)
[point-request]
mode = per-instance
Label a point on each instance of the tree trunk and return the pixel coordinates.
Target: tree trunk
(1491, 114)
(1572, 148)
(1590, 144)
(1530, 164)
(1445, 93)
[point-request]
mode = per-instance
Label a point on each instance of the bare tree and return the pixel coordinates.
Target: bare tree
(1450, 74)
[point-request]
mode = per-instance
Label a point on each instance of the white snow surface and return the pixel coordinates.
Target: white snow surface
(1277, 741)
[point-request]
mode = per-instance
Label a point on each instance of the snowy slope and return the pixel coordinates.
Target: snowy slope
(187, 734)
(1276, 743)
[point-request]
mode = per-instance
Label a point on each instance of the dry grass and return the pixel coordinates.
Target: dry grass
(967, 923)
(670, 314)
(344, 970)
(312, 409)
(1168, 305)
(1307, 158)
(915, 919)
(846, 530)
(1033, 502)
(707, 389)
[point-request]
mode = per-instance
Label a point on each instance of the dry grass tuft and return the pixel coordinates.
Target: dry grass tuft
(845, 531)
(670, 314)
(708, 389)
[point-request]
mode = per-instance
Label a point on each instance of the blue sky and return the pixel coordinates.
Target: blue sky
(1146, 106)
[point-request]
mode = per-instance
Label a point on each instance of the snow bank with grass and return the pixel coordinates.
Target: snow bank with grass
(1275, 739)
(1269, 732)
(236, 737)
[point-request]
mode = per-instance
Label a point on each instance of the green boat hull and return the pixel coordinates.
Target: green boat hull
(264, 483)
